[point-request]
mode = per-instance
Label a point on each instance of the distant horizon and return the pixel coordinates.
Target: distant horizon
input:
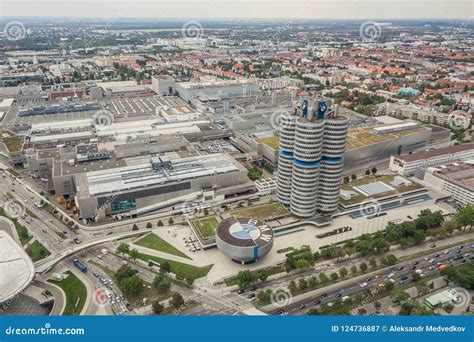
(243, 9)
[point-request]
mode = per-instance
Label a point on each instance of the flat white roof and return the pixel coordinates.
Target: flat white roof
(125, 178)
(16, 268)
(62, 124)
(122, 130)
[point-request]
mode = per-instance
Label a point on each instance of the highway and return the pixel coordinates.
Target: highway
(399, 274)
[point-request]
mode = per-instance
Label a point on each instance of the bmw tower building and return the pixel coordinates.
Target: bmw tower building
(312, 145)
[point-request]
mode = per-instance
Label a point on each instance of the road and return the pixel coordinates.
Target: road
(400, 274)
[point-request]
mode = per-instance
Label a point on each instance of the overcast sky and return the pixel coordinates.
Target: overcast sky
(308, 9)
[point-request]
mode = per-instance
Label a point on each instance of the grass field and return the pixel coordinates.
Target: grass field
(184, 270)
(37, 251)
(75, 291)
(262, 212)
(153, 241)
(273, 142)
(206, 227)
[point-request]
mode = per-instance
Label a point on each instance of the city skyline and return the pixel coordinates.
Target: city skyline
(224, 9)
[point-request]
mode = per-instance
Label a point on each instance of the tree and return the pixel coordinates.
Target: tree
(149, 225)
(346, 179)
(354, 177)
(134, 254)
(463, 275)
(334, 276)
(177, 301)
(131, 285)
(374, 170)
(367, 173)
(157, 307)
(244, 279)
(391, 259)
(123, 248)
(312, 281)
(165, 267)
(465, 216)
(354, 269)
(399, 296)
(160, 223)
(301, 264)
(161, 283)
(123, 272)
(302, 284)
(343, 272)
(292, 287)
(373, 263)
(171, 221)
(363, 267)
(134, 227)
(323, 277)
(262, 275)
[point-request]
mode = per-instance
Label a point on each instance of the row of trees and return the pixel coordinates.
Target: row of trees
(128, 280)
(245, 279)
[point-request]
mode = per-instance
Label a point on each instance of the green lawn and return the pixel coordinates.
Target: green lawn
(37, 251)
(153, 241)
(262, 212)
(23, 234)
(206, 227)
(76, 293)
(184, 270)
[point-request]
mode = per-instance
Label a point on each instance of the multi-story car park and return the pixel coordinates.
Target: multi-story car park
(406, 165)
(456, 179)
(159, 183)
(312, 144)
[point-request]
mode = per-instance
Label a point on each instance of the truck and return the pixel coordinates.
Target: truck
(81, 266)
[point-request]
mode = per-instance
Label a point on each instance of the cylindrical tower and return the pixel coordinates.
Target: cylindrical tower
(312, 145)
(285, 159)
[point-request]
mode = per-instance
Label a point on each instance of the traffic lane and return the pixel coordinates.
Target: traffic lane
(354, 289)
(421, 263)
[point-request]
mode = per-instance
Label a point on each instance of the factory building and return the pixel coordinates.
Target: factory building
(159, 183)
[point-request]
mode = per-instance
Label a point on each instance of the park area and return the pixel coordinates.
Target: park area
(153, 241)
(76, 293)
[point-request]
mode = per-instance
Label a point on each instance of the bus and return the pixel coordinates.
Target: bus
(78, 263)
